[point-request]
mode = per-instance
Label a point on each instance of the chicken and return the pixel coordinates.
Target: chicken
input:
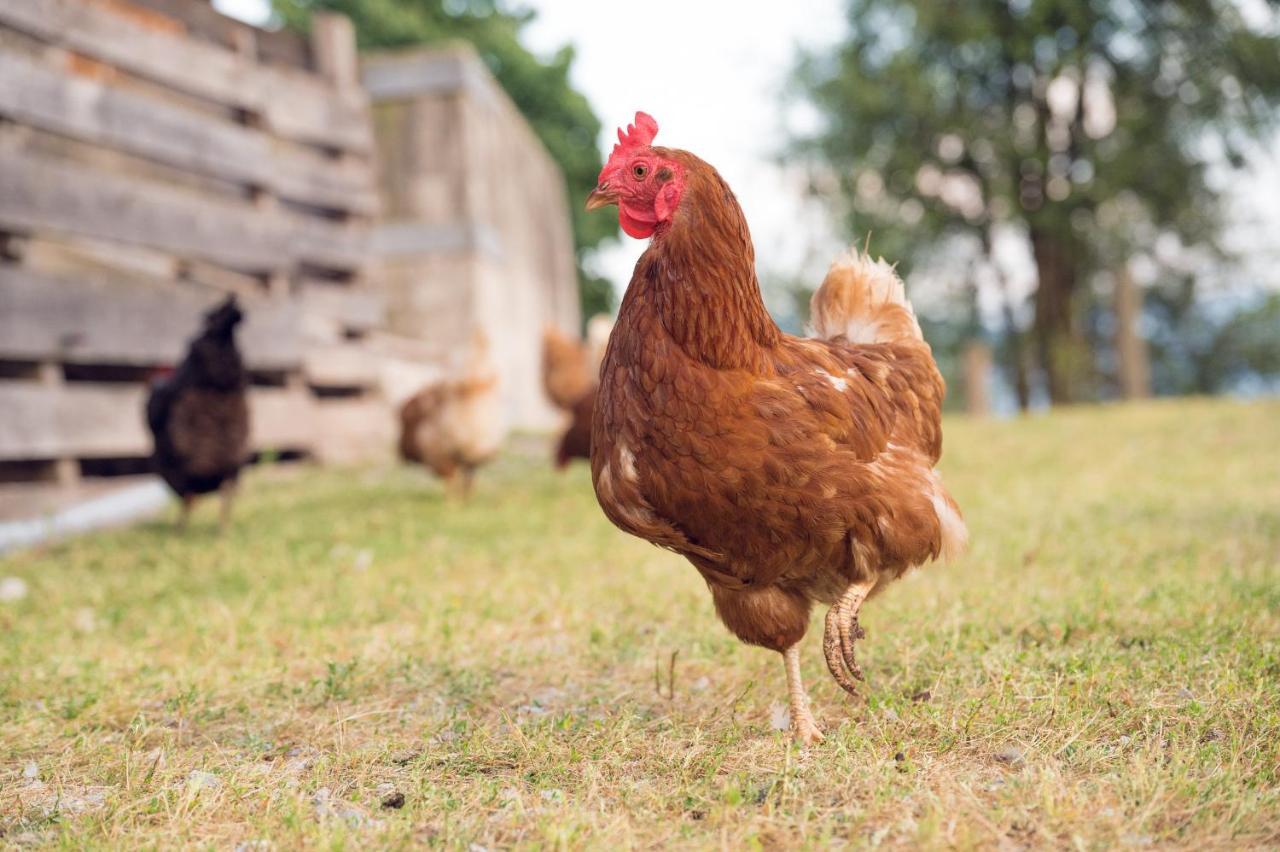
(569, 376)
(789, 471)
(599, 327)
(566, 371)
(575, 443)
(457, 425)
(199, 415)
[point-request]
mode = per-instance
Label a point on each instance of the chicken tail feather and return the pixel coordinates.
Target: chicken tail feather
(864, 301)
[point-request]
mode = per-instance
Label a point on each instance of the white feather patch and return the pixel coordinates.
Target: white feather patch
(837, 382)
(955, 535)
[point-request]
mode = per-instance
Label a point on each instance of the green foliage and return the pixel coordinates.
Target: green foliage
(1197, 352)
(560, 115)
(1091, 127)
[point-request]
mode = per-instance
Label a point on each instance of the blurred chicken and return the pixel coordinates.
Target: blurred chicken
(457, 425)
(575, 443)
(599, 327)
(566, 371)
(570, 373)
(199, 415)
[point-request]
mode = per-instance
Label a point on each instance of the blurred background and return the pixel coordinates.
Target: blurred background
(1084, 197)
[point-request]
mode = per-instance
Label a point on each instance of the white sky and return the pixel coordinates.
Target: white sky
(712, 73)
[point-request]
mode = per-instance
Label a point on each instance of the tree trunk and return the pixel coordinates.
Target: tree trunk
(977, 371)
(1131, 348)
(1060, 346)
(1016, 338)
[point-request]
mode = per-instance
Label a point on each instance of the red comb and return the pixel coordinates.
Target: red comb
(637, 135)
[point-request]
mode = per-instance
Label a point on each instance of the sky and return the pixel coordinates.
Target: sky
(713, 72)
(713, 78)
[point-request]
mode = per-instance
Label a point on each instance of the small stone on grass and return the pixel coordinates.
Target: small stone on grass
(12, 589)
(779, 718)
(1011, 755)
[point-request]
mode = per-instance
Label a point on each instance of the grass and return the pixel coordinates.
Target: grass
(1102, 670)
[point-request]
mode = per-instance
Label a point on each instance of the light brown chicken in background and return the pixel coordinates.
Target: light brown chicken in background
(570, 376)
(455, 426)
(566, 372)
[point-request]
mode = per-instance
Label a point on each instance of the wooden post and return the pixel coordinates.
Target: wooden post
(977, 378)
(333, 49)
(66, 470)
(1131, 349)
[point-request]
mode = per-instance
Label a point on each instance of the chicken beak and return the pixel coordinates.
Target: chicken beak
(601, 196)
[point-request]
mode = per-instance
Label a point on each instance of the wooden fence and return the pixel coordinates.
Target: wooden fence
(155, 155)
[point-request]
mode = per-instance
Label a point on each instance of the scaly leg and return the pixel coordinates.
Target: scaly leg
(842, 630)
(228, 492)
(184, 518)
(803, 727)
(453, 485)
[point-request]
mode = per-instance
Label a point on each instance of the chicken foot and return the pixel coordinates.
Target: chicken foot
(841, 631)
(803, 727)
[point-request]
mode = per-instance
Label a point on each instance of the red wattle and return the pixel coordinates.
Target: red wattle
(637, 224)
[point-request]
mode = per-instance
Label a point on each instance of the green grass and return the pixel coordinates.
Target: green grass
(1102, 670)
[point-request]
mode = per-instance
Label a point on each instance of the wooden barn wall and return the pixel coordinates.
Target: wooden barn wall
(475, 234)
(155, 155)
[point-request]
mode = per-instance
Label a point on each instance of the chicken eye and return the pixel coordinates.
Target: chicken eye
(639, 170)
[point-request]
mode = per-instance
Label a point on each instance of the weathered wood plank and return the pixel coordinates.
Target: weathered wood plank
(73, 420)
(282, 419)
(35, 94)
(351, 308)
(110, 320)
(353, 431)
(103, 421)
(38, 194)
(201, 19)
(340, 365)
(293, 103)
(344, 183)
(333, 49)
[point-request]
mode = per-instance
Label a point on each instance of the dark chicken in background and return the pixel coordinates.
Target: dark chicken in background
(575, 443)
(789, 471)
(199, 415)
(570, 373)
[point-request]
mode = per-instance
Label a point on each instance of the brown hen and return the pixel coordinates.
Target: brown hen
(567, 373)
(455, 426)
(789, 471)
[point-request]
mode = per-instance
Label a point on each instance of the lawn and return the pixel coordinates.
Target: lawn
(1102, 670)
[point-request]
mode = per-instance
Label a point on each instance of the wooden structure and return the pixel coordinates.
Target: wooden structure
(475, 240)
(153, 156)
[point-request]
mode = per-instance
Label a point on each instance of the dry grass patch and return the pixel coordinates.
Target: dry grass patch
(1102, 670)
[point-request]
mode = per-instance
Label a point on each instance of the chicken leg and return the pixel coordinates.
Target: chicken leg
(184, 518)
(842, 630)
(803, 727)
(228, 493)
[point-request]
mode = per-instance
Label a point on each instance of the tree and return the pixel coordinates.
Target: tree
(560, 115)
(1089, 127)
